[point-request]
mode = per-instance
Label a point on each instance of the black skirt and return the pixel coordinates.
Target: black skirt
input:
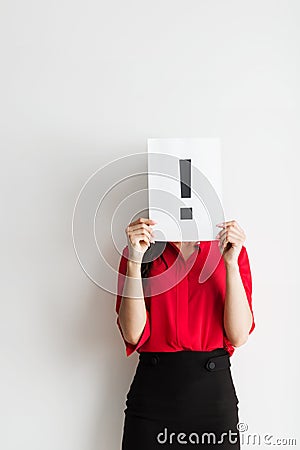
(179, 400)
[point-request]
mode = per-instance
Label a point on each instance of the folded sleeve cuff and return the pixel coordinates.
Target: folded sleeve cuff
(253, 322)
(246, 276)
(130, 348)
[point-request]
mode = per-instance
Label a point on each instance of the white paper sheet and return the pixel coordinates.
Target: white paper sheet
(180, 218)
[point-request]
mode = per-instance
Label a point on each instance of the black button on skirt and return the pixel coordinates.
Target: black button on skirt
(182, 400)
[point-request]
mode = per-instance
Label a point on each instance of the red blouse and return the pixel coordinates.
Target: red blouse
(185, 314)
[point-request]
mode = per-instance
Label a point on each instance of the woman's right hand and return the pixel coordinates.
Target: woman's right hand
(139, 236)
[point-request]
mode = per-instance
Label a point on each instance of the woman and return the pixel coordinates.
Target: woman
(182, 394)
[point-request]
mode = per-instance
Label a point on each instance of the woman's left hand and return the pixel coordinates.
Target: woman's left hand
(231, 239)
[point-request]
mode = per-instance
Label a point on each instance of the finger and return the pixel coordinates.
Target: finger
(222, 246)
(225, 241)
(231, 233)
(233, 227)
(232, 224)
(140, 237)
(141, 232)
(237, 226)
(228, 223)
(231, 239)
(143, 220)
(140, 228)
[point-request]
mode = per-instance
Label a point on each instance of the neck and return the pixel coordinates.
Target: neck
(187, 243)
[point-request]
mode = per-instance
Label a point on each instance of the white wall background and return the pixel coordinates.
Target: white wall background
(83, 83)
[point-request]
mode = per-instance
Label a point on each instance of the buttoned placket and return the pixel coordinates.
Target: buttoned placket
(182, 299)
(182, 306)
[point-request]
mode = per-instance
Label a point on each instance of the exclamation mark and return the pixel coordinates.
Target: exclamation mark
(185, 187)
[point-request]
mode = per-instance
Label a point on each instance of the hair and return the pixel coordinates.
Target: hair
(153, 252)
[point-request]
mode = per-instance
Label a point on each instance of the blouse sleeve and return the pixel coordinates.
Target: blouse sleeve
(130, 348)
(245, 271)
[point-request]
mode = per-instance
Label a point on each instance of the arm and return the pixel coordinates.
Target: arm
(133, 318)
(237, 313)
(132, 313)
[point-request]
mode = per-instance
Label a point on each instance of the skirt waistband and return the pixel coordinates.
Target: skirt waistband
(216, 359)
